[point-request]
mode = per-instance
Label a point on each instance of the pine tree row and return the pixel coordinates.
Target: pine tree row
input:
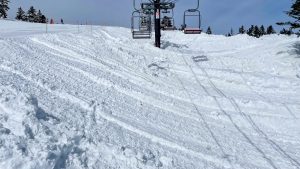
(257, 31)
(254, 31)
(31, 16)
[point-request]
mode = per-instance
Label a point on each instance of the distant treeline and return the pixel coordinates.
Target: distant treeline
(255, 31)
(32, 15)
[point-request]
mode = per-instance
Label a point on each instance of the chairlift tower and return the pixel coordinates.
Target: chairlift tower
(151, 7)
(157, 6)
(154, 7)
(157, 23)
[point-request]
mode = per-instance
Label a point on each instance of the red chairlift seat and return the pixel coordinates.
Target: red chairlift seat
(195, 13)
(192, 31)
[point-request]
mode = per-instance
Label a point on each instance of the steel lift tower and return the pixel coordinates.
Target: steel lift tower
(152, 9)
(148, 8)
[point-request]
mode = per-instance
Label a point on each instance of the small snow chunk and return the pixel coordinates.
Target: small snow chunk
(128, 152)
(245, 101)
(215, 113)
(156, 66)
(166, 161)
(148, 158)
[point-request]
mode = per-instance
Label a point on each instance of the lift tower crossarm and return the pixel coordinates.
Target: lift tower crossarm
(163, 5)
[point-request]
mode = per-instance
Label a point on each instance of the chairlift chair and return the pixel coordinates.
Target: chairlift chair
(143, 30)
(192, 13)
(168, 22)
(144, 23)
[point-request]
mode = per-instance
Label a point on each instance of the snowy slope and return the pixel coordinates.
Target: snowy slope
(95, 98)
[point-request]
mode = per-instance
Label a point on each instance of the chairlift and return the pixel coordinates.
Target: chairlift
(142, 28)
(192, 13)
(167, 22)
(141, 25)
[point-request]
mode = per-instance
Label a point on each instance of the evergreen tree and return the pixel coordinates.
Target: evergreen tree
(257, 32)
(209, 32)
(286, 32)
(295, 14)
(283, 31)
(242, 30)
(228, 35)
(270, 30)
(262, 30)
(4, 8)
(31, 14)
(250, 31)
(38, 17)
(21, 14)
(43, 19)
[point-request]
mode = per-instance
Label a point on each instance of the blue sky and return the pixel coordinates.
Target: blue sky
(221, 15)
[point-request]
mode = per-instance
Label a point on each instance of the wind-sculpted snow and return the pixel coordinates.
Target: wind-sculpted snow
(91, 97)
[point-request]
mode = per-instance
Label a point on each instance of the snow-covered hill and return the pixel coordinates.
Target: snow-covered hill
(92, 97)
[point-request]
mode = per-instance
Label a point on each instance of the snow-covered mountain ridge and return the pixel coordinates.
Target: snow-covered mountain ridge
(92, 97)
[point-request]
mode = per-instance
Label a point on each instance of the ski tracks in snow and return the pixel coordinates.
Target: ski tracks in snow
(274, 145)
(107, 77)
(84, 103)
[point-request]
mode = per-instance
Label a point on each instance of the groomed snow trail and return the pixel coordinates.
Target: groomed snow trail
(95, 98)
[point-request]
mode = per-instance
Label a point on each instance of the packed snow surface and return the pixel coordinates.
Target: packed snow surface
(87, 97)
